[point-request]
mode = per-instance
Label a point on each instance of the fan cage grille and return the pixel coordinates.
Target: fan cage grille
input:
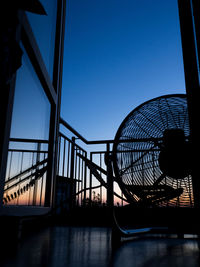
(136, 162)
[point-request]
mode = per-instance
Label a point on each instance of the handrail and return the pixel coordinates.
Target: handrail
(27, 140)
(27, 150)
(38, 173)
(69, 127)
(26, 171)
(107, 141)
(69, 140)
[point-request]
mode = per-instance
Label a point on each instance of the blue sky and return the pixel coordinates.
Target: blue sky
(118, 54)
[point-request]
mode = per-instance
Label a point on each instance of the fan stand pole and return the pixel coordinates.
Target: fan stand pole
(188, 15)
(110, 201)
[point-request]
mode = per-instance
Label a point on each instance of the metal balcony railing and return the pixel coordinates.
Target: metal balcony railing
(84, 175)
(26, 172)
(81, 176)
(87, 171)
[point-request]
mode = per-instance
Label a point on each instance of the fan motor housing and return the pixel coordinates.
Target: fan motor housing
(174, 159)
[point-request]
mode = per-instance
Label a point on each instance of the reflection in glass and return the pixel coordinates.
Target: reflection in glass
(25, 179)
(44, 28)
(31, 111)
(26, 174)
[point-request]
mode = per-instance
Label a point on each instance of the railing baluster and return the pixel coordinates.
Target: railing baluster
(68, 159)
(90, 182)
(82, 179)
(11, 154)
(63, 168)
(79, 185)
(85, 180)
(59, 149)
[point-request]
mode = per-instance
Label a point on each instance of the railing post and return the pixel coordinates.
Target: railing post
(72, 181)
(109, 178)
(90, 184)
(85, 180)
(36, 181)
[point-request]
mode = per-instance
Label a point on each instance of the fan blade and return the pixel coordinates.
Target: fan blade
(138, 159)
(162, 176)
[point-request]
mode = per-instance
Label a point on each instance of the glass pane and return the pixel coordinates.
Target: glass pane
(44, 28)
(25, 180)
(22, 185)
(31, 111)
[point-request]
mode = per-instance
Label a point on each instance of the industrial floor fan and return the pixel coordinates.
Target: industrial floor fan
(152, 155)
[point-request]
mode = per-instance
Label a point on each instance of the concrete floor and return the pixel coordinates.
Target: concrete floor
(61, 246)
